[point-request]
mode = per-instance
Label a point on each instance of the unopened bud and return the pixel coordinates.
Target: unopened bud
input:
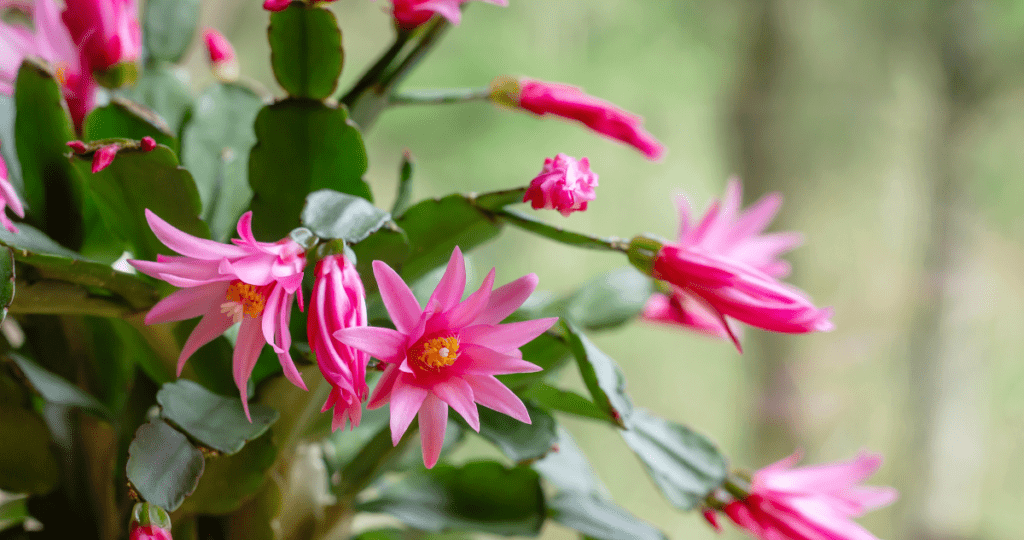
(643, 251)
(77, 147)
(104, 157)
(149, 522)
(147, 144)
(222, 54)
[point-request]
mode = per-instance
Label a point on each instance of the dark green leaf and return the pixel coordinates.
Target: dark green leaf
(683, 463)
(42, 129)
(568, 468)
(610, 299)
(302, 146)
(168, 27)
(549, 351)
(496, 200)
(331, 215)
(6, 280)
(215, 148)
(435, 226)
(564, 401)
(27, 463)
(602, 376)
(137, 181)
(127, 120)
(388, 244)
(305, 45)
(13, 512)
(466, 498)
(215, 421)
(600, 519)
(520, 442)
(56, 389)
(164, 89)
(229, 481)
(163, 466)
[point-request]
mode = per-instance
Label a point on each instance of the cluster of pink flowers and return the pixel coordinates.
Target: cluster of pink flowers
(564, 184)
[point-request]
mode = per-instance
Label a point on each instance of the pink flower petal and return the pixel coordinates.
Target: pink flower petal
(476, 360)
(467, 311)
(489, 392)
(507, 298)
(459, 395)
(453, 284)
(187, 303)
(506, 337)
(213, 324)
(402, 306)
(405, 403)
(383, 343)
(189, 245)
(433, 422)
(382, 392)
(247, 352)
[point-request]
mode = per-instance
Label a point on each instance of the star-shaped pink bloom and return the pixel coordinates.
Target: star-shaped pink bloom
(247, 282)
(448, 353)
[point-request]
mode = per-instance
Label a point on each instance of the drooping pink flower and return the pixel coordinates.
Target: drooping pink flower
(247, 282)
(447, 353)
(570, 102)
(8, 199)
(811, 503)
(49, 40)
(149, 532)
(411, 13)
(107, 31)
(222, 55)
(103, 157)
(725, 267)
(339, 301)
(564, 184)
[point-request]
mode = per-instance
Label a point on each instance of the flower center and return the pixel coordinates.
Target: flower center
(62, 73)
(243, 299)
(435, 353)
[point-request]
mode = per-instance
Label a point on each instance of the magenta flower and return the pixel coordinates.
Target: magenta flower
(107, 31)
(247, 282)
(276, 5)
(147, 144)
(339, 301)
(103, 157)
(811, 503)
(724, 267)
(50, 41)
(564, 185)
(222, 55)
(448, 352)
(8, 198)
(570, 102)
(411, 13)
(149, 532)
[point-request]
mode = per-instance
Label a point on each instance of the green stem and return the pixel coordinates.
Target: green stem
(737, 486)
(558, 234)
(430, 38)
(498, 200)
(309, 412)
(62, 298)
(377, 70)
(441, 96)
(375, 457)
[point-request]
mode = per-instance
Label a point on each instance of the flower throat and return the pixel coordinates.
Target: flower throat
(436, 353)
(243, 299)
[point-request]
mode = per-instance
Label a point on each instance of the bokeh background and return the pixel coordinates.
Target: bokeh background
(894, 132)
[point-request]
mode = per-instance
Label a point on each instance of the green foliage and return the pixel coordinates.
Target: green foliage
(600, 518)
(683, 463)
(389, 244)
(548, 350)
(127, 120)
(27, 462)
(13, 513)
(565, 401)
(302, 146)
(164, 89)
(602, 376)
(215, 421)
(168, 28)
(465, 498)
(163, 466)
(522, 443)
(228, 481)
(610, 299)
(55, 389)
(331, 215)
(137, 181)
(6, 281)
(215, 149)
(306, 53)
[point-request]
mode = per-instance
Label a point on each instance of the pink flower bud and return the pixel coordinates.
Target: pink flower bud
(149, 522)
(275, 5)
(149, 533)
(711, 517)
(103, 157)
(222, 55)
(107, 31)
(147, 144)
(411, 13)
(564, 184)
(77, 147)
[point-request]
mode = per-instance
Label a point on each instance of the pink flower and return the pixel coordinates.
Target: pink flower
(276, 5)
(147, 144)
(149, 532)
(339, 301)
(247, 282)
(222, 55)
(8, 198)
(564, 185)
(570, 102)
(448, 353)
(51, 42)
(102, 158)
(724, 267)
(107, 31)
(411, 13)
(811, 503)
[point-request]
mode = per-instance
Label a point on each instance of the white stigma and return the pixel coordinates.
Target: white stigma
(233, 310)
(443, 352)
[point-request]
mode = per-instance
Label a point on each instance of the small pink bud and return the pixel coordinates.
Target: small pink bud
(564, 184)
(147, 144)
(149, 533)
(104, 157)
(77, 147)
(711, 517)
(222, 55)
(275, 5)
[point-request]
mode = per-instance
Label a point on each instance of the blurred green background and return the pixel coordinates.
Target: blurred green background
(893, 130)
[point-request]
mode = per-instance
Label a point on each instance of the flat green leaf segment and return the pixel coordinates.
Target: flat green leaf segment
(164, 89)
(604, 379)
(480, 496)
(302, 146)
(27, 464)
(683, 463)
(125, 119)
(168, 27)
(306, 55)
(55, 389)
(228, 481)
(6, 281)
(522, 443)
(13, 513)
(332, 215)
(215, 149)
(163, 466)
(138, 180)
(216, 421)
(42, 129)
(610, 300)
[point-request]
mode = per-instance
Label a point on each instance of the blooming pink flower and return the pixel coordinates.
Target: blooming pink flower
(570, 102)
(811, 503)
(149, 532)
(724, 267)
(51, 42)
(339, 301)
(447, 353)
(102, 158)
(564, 185)
(107, 31)
(8, 198)
(411, 13)
(222, 55)
(247, 282)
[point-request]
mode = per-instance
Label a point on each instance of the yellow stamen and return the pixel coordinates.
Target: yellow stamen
(62, 74)
(249, 296)
(437, 353)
